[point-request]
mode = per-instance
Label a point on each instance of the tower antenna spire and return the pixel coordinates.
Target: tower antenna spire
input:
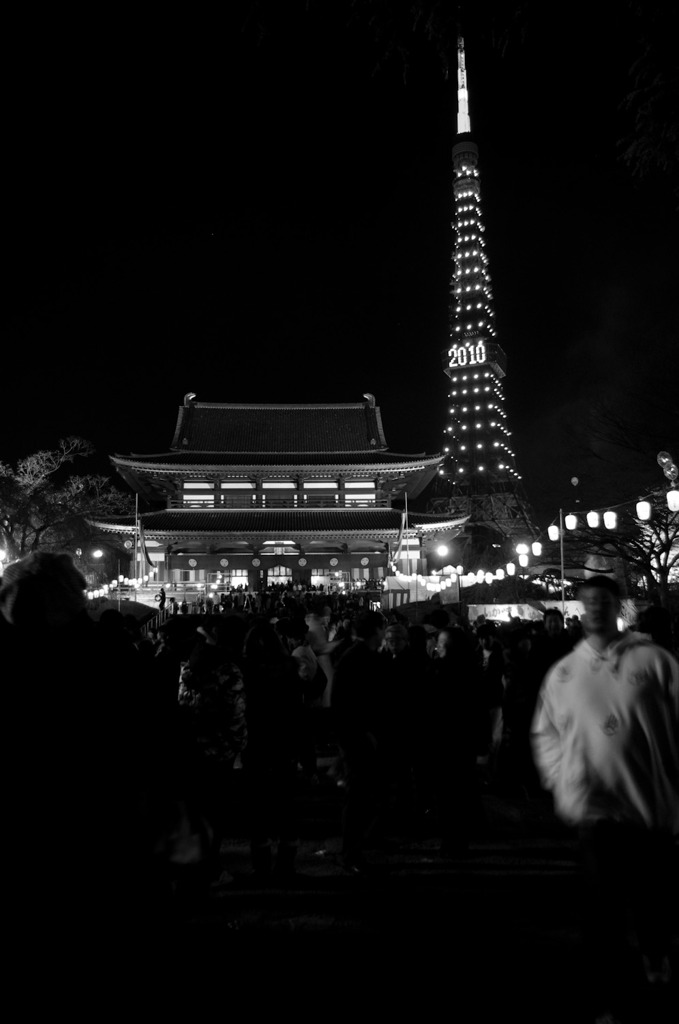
(463, 121)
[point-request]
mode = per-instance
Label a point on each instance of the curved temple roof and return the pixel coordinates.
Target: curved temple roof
(333, 521)
(230, 439)
(213, 427)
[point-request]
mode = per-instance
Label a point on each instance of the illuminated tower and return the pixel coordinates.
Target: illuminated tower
(478, 477)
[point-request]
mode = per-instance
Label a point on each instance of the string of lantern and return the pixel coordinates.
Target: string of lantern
(607, 515)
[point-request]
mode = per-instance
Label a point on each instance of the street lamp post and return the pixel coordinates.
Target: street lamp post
(671, 472)
(97, 554)
(563, 568)
(556, 533)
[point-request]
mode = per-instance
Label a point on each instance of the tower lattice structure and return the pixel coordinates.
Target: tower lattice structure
(478, 477)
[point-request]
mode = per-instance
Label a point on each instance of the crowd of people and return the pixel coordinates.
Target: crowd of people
(128, 742)
(276, 599)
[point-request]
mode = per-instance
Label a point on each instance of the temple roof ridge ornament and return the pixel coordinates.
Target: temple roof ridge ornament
(278, 405)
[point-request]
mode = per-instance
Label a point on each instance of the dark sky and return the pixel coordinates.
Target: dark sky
(194, 207)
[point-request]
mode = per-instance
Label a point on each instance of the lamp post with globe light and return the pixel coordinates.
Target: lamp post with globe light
(671, 472)
(555, 533)
(97, 554)
(523, 551)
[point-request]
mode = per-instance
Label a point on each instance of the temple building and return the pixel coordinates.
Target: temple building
(253, 495)
(478, 478)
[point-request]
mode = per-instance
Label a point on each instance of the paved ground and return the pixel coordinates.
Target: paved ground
(494, 935)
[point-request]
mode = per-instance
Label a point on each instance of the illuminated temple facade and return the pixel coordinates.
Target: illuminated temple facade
(478, 478)
(254, 495)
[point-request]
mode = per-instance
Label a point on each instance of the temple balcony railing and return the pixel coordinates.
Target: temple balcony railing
(265, 501)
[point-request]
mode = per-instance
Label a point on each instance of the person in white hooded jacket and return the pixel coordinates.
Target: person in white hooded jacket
(605, 740)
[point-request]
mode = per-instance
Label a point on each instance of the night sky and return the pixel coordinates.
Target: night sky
(197, 206)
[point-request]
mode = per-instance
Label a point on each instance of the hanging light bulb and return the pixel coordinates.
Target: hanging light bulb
(571, 522)
(610, 520)
(593, 519)
(553, 532)
(644, 510)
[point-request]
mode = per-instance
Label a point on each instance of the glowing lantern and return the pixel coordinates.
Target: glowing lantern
(521, 549)
(536, 547)
(523, 560)
(553, 532)
(571, 522)
(489, 577)
(673, 501)
(480, 576)
(593, 519)
(644, 510)
(500, 573)
(610, 520)
(511, 568)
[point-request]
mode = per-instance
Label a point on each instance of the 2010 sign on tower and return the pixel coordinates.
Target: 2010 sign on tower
(471, 354)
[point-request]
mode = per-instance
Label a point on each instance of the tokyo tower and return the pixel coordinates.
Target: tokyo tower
(478, 477)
